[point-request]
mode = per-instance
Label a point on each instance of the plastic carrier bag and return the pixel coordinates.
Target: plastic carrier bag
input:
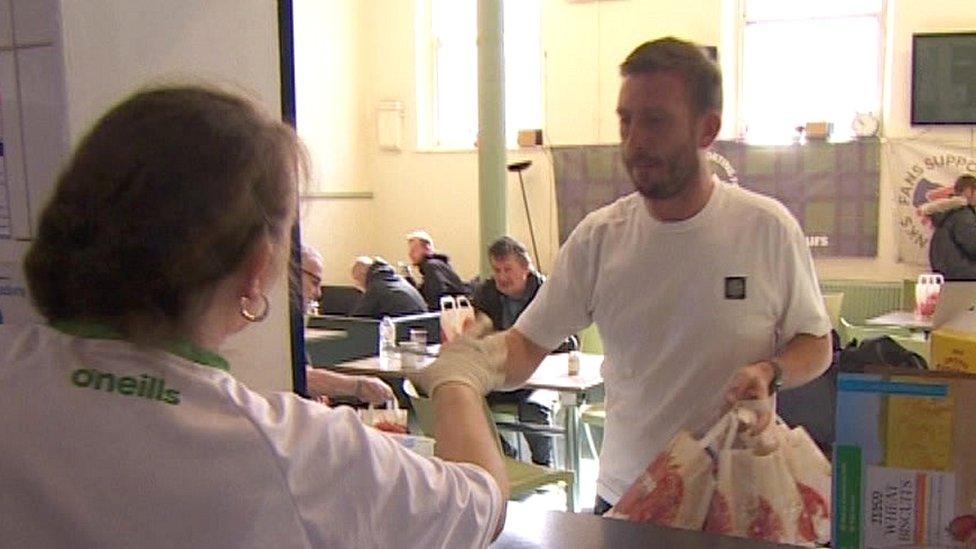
(455, 313)
(773, 486)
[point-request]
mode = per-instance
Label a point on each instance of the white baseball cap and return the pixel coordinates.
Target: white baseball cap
(420, 235)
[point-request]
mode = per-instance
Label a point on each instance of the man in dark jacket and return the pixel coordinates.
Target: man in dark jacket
(385, 293)
(953, 248)
(439, 279)
(503, 297)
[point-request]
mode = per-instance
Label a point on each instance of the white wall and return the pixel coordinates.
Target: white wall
(340, 229)
(113, 47)
(33, 118)
(329, 74)
(584, 43)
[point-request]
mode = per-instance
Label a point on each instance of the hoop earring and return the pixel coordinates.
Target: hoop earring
(251, 317)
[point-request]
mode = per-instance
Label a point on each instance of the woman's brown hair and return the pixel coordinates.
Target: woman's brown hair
(164, 197)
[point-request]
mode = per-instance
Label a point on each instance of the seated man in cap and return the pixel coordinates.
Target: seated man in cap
(385, 293)
(439, 279)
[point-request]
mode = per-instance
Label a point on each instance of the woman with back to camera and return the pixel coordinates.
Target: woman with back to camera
(122, 425)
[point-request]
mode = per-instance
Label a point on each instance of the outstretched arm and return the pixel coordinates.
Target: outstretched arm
(462, 433)
(523, 358)
(332, 384)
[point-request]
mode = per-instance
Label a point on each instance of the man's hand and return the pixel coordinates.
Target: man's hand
(478, 362)
(752, 383)
(323, 384)
(372, 390)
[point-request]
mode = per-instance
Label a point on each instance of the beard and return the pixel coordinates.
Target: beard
(659, 177)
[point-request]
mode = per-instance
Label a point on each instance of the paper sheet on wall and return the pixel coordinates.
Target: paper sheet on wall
(15, 304)
(5, 220)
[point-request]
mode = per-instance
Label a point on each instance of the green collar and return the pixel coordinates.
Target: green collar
(183, 348)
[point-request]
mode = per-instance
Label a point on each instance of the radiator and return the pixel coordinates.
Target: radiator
(864, 299)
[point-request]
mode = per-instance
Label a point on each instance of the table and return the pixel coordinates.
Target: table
(904, 319)
(552, 374)
(920, 327)
(526, 528)
(324, 334)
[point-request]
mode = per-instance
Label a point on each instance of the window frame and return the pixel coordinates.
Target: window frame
(427, 43)
(742, 22)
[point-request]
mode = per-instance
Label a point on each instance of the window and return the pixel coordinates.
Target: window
(808, 62)
(449, 85)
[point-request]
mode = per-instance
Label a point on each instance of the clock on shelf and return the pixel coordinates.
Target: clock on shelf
(865, 124)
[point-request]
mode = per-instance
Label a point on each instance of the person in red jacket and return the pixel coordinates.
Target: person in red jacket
(952, 251)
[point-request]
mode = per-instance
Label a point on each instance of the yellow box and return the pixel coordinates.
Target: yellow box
(953, 350)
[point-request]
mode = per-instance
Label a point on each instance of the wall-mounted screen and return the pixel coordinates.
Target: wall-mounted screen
(944, 78)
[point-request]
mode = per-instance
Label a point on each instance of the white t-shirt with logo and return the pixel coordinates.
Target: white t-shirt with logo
(109, 445)
(680, 306)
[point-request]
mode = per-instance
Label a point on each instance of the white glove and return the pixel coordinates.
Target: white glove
(478, 362)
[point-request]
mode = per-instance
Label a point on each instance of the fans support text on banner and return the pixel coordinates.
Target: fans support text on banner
(920, 173)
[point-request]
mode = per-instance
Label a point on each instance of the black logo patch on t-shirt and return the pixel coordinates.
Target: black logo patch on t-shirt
(735, 287)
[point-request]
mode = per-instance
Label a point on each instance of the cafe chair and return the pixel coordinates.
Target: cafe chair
(523, 478)
(590, 341)
(833, 302)
(593, 415)
(851, 332)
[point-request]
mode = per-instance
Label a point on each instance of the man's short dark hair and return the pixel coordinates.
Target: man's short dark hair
(507, 246)
(670, 54)
(964, 182)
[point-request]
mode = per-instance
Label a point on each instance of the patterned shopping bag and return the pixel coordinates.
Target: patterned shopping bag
(676, 488)
(812, 473)
(755, 495)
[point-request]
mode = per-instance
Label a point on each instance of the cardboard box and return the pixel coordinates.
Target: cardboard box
(818, 130)
(905, 460)
(953, 345)
(953, 350)
(529, 138)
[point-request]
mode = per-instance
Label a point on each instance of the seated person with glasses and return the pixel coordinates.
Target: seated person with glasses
(322, 383)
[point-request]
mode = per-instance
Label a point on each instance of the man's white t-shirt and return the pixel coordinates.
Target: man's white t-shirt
(680, 306)
(109, 445)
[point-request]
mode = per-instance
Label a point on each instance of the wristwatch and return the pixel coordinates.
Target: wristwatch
(777, 382)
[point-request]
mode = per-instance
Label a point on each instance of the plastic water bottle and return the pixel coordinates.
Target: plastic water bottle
(387, 339)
